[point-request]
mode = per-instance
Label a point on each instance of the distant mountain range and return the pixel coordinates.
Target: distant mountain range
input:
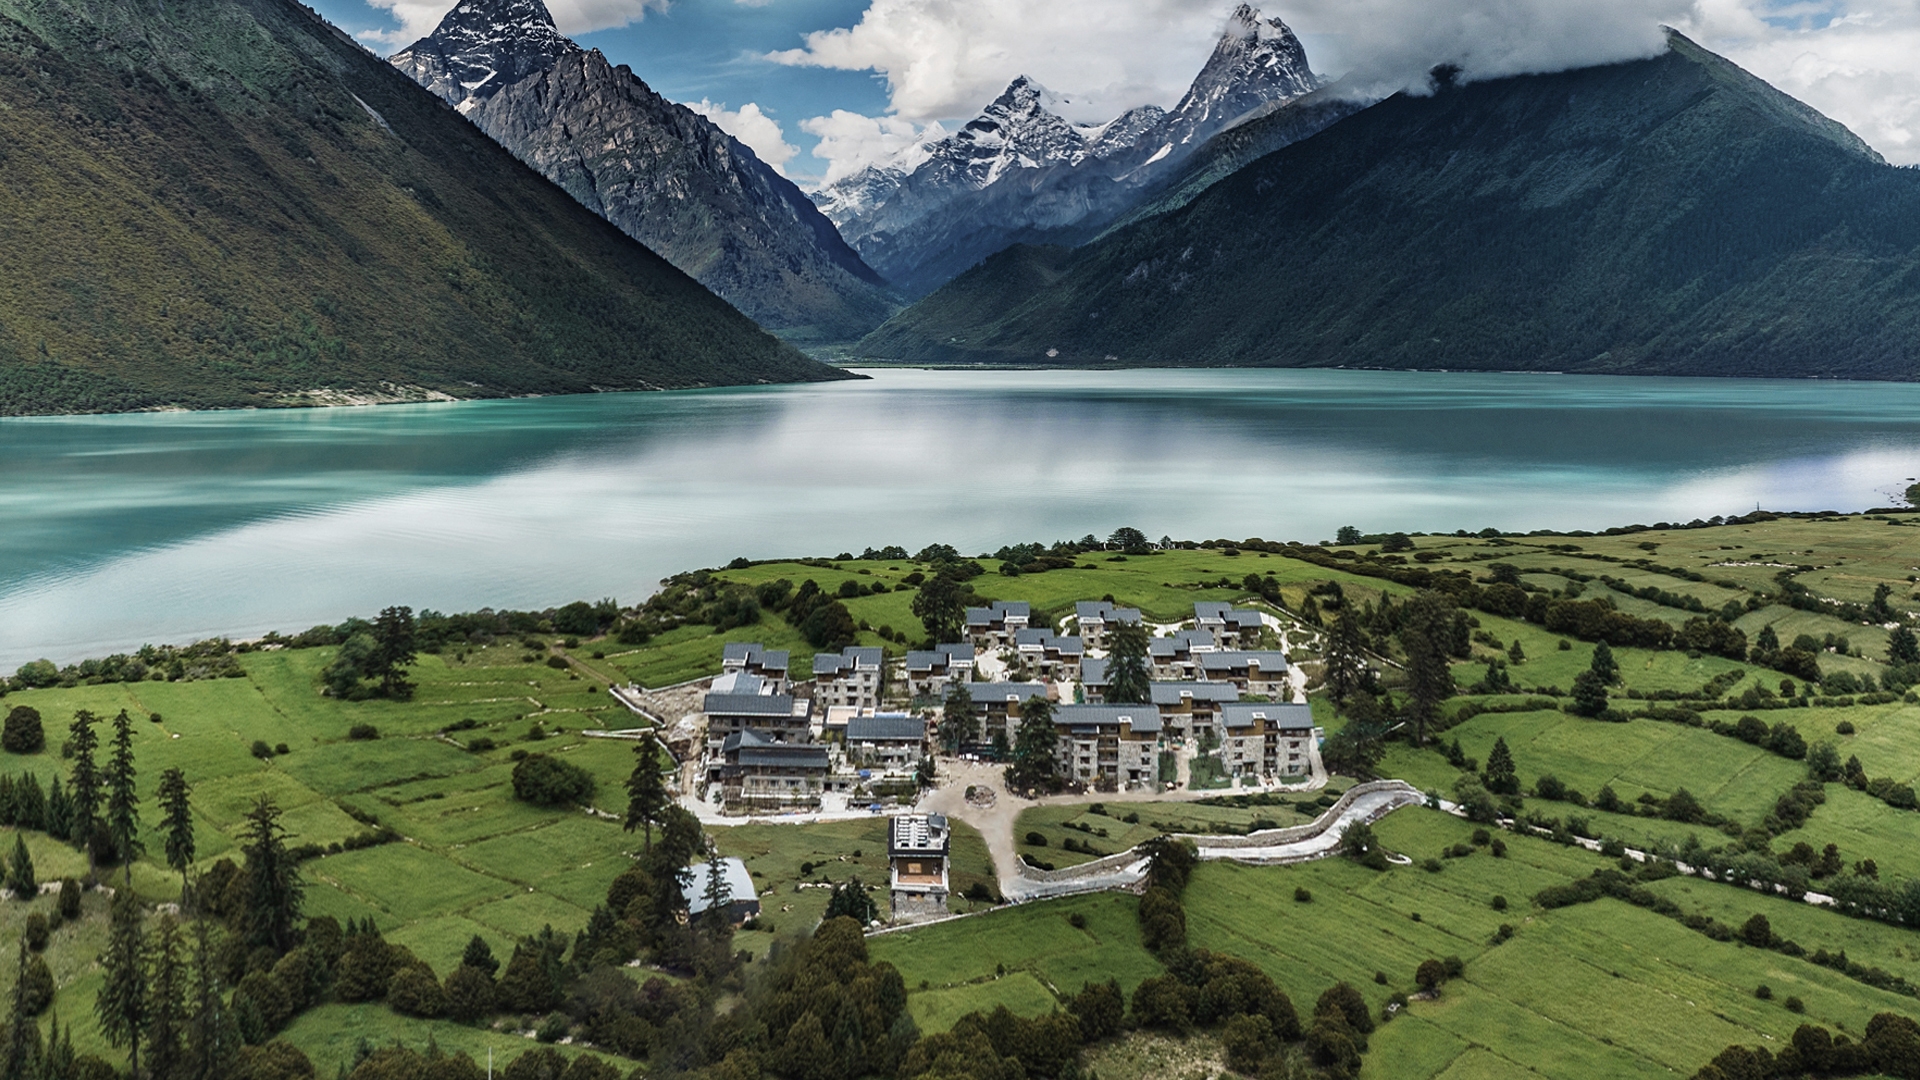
(665, 175)
(1019, 172)
(230, 203)
(1673, 215)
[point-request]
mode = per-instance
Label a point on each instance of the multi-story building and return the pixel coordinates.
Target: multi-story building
(1265, 740)
(930, 671)
(853, 677)
(1115, 744)
(1172, 658)
(750, 658)
(892, 742)
(1254, 672)
(1192, 709)
(997, 705)
(755, 770)
(993, 626)
(918, 846)
(1097, 618)
(1233, 628)
(1049, 656)
(738, 702)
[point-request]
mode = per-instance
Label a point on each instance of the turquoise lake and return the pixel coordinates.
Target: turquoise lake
(117, 530)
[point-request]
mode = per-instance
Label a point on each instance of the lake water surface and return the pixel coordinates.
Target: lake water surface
(118, 530)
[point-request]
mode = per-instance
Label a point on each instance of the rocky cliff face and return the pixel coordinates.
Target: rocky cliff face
(1020, 173)
(663, 174)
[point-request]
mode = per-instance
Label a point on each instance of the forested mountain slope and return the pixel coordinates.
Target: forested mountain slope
(230, 203)
(1666, 216)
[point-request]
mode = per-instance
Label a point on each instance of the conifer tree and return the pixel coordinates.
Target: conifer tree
(1501, 776)
(167, 1017)
(123, 1002)
(1902, 646)
(210, 1037)
(1035, 744)
(1346, 665)
(22, 1059)
(59, 821)
(273, 886)
(123, 802)
(717, 894)
(84, 783)
(1425, 632)
(176, 810)
(29, 804)
(957, 725)
(1129, 681)
(647, 796)
(1604, 665)
(20, 876)
(57, 1063)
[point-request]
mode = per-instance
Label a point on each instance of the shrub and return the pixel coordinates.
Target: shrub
(261, 750)
(1034, 839)
(1499, 848)
(23, 734)
(557, 663)
(415, 992)
(1763, 992)
(1301, 895)
(552, 1029)
(1077, 921)
(548, 781)
(1499, 903)
(69, 902)
(36, 932)
(282, 748)
(363, 732)
(1795, 1005)
(1844, 727)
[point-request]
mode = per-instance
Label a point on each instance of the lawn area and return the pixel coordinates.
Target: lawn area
(1112, 832)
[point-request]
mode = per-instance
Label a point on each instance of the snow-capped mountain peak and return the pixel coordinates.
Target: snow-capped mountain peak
(1257, 60)
(483, 46)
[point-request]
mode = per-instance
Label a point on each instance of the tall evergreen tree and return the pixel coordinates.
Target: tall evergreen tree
(1902, 646)
(29, 805)
(123, 802)
(57, 1064)
(176, 809)
(1346, 665)
(211, 1035)
(22, 1059)
(1426, 625)
(1129, 681)
(647, 796)
(83, 788)
(717, 894)
(273, 887)
(396, 645)
(59, 811)
(1501, 775)
(1035, 744)
(957, 724)
(167, 1016)
(20, 876)
(123, 1004)
(941, 607)
(1604, 665)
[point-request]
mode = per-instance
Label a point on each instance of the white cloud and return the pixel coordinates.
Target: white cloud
(417, 18)
(760, 132)
(849, 141)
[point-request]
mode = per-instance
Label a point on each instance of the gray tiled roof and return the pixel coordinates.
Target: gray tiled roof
(752, 652)
(852, 658)
(1100, 610)
(755, 748)
(1271, 661)
(1144, 719)
(940, 656)
(1288, 717)
(1182, 642)
(998, 612)
(1170, 693)
(886, 728)
(748, 705)
(830, 664)
(1068, 646)
(1006, 691)
(1093, 671)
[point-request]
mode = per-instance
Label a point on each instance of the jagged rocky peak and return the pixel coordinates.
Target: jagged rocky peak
(1257, 60)
(1020, 129)
(483, 46)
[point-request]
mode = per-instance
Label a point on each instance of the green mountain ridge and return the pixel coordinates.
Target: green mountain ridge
(1674, 215)
(229, 203)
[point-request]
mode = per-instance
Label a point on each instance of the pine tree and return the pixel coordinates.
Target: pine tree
(1902, 646)
(1604, 664)
(176, 810)
(396, 647)
(20, 877)
(29, 804)
(1035, 744)
(123, 802)
(1129, 681)
(1501, 776)
(273, 885)
(717, 894)
(123, 1002)
(1516, 654)
(1346, 666)
(59, 811)
(84, 785)
(57, 1064)
(167, 1019)
(23, 1058)
(1425, 631)
(211, 1037)
(957, 724)
(647, 796)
